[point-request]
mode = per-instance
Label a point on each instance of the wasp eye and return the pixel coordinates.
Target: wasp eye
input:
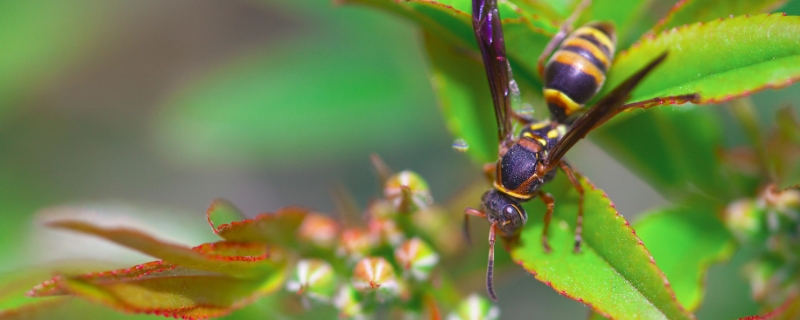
(510, 210)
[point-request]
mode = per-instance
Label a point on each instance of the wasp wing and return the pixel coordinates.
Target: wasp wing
(489, 33)
(605, 109)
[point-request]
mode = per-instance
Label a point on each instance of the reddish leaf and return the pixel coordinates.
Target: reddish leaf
(164, 289)
(273, 228)
(236, 259)
(222, 212)
(13, 302)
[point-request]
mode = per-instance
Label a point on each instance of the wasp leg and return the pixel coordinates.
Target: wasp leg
(471, 212)
(490, 267)
(563, 32)
(550, 203)
(579, 188)
(489, 170)
(524, 119)
(679, 99)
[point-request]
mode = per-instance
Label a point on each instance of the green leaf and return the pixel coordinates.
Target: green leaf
(674, 149)
(164, 289)
(720, 60)
(526, 30)
(458, 74)
(691, 11)
(277, 228)
(464, 98)
(684, 242)
(222, 212)
(235, 259)
(614, 273)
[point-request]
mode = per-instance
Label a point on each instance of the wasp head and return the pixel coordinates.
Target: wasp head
(505, 210)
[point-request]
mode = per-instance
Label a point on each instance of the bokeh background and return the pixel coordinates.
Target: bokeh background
(148, 110)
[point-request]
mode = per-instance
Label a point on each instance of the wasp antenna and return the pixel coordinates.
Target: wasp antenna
(490, 267)
(489, 274)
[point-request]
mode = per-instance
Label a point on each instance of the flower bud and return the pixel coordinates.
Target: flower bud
(375, 273)
(745, 221)
(348, 302)
(416, 258)
(314, 278)
(475, 307)
(356, 243)
(319, 230)
(407, 191)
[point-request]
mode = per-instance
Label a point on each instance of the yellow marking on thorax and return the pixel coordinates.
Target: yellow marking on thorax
(502, 189)
(538, 125)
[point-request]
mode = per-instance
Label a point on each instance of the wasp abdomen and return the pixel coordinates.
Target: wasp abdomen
(577, 70)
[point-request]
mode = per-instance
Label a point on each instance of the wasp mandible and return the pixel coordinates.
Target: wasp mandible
(572, 76)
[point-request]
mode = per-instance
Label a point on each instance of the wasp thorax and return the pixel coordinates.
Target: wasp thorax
(503, 210)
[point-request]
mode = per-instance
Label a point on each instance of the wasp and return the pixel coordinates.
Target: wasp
(572, 76)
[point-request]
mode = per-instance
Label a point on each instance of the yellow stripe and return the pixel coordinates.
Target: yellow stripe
(599, 35)
(561, 99)
(579, 62)
(588, 46)
(538, 125)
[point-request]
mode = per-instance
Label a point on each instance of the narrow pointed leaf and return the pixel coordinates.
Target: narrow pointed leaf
(691, 11)
(685, 241)
(277, 228)
(222, 212)
(614, 273)
(236, 259)
(14, 304)
(720, 60)
(167, 290)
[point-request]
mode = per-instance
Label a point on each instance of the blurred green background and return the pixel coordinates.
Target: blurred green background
(148, 110)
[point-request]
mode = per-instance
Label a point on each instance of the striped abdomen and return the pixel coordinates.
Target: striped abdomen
(577, 70)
